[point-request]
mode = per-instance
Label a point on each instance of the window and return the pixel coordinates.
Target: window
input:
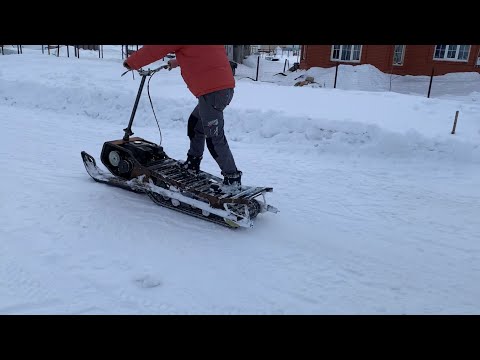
(452, 52)
(349, 53)
(398, 54)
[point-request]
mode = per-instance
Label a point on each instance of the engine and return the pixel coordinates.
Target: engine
(129, 159)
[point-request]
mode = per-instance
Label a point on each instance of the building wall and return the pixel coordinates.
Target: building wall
(270, 47)
(418, 59)
(380, 56)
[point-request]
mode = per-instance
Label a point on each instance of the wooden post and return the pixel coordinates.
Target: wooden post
(58, 50)
(431, 79)
(336, 72)
(68, 52)
(285, 66)
(455, 123)
(258, 65)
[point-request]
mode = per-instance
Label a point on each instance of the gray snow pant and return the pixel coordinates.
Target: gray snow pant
(206, 122)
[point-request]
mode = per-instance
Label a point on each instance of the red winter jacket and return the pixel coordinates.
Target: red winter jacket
(204, 68)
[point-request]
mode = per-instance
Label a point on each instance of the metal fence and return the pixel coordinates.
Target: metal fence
(55, 49)
(335, 77)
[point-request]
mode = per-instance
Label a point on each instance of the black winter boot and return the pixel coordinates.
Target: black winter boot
(234, 179)
(192, 164)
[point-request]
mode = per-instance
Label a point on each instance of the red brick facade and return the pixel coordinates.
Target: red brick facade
(417, 60)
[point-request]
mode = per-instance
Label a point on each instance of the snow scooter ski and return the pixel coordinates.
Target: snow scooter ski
(142, 166)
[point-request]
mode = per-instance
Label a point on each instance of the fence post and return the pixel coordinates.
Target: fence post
(68, 51)
(2, 49)
(258, 65)
(455, 123)
(58, 50)
(285, 66)
(431, 79)
(336, 72)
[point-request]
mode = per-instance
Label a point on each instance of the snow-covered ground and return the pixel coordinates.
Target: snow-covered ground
(379, 201)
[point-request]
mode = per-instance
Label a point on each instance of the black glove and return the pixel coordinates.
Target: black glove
(125, 64)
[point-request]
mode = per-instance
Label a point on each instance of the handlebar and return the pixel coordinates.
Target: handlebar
(149, 72)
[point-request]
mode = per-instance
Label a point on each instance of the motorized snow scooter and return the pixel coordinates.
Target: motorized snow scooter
(142, 166)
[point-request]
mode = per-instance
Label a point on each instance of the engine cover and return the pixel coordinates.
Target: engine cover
(129, 159)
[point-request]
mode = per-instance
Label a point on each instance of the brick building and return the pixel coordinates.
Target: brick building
(396, 59)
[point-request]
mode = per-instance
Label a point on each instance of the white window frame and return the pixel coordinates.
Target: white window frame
(351, 54)
(402, 57)
(455, 59)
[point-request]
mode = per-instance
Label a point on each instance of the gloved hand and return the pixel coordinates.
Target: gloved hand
(125, 64)
(172, 64)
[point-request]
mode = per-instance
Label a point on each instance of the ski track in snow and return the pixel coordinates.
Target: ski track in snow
(357, 233)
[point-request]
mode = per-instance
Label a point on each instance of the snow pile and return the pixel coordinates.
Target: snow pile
(308, 119)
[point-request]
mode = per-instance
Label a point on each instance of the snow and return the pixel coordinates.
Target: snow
(378, 201)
